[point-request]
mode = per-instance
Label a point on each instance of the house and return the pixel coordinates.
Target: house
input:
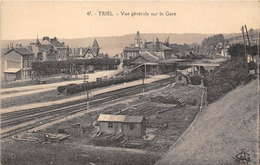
(157, 48)
(18, 62)
(134, 126)
(224, 52)
(251, 58)
(85, 53)
(146, 61)
(49, 50)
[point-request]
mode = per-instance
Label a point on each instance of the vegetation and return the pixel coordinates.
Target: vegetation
(56, 67)
(74, 88)
(225, 78)
(176, 48)
(70, 154)
(195, 80)
(214, 40)
(223, 129)
(238, 50)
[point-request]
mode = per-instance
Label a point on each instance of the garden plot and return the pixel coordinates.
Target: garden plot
(166, 123)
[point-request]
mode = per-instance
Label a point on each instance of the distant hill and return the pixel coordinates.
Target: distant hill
(115, 44)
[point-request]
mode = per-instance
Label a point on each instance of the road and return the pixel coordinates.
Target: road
(26, 90)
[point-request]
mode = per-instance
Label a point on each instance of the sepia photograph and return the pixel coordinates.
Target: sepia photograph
(130, 82)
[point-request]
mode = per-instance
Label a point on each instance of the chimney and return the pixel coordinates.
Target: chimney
(16, 45)
(45, 38)
(80, 53)
(8, 47)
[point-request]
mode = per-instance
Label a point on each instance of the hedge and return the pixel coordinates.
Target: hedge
(54, 67)
(74, 88)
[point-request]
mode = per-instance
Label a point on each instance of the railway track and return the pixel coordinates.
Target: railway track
(54, 112)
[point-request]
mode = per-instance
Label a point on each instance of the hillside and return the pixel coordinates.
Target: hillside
(221, 131)
(115, 44)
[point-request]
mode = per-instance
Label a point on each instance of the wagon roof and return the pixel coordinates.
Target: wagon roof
(120, 118)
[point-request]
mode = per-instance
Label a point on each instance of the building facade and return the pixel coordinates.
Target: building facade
(85, 53)
(49, 50)
(134, 126)
(18, 62)
(157, 48)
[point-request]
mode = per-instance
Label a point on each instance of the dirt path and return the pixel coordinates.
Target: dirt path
(221, 131)
(20, 91)
(93, 92)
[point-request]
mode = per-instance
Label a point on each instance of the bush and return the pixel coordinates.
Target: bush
(61, 89)
(225, 78)
(195, 80)
(74, 88)
(252, 65)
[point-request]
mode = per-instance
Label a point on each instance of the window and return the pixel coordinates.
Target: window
(180, 77)
(110, 125)
(131, 126)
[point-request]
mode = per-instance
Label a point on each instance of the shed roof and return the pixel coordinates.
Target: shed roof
(21, 51)
(12, 70)
(120, 118)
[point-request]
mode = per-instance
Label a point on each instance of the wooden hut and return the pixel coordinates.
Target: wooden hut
(134, 126)
(181, 78)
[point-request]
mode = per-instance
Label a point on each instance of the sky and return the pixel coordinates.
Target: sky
(78, 19)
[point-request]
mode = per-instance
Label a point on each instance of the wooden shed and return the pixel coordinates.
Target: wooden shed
(134, 126)
(181, 78)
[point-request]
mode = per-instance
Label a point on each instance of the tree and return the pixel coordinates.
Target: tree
(213, 40)
(236, 50)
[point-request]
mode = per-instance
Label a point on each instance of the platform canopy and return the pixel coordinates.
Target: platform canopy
(12, 70)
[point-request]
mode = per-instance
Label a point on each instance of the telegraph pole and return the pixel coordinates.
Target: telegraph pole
(249, 43)
(85, 81)
(143, 78)
(244, 46)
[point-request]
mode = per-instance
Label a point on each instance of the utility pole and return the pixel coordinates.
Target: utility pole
(143, 78)
(85, 81)
(245, 59)
(249, 43)
(171, 73)
(87, 97)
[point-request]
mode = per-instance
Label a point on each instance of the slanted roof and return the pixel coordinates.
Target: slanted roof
(12, 70)
(133, 119)
(21, 51)
(3, 51)
(89, 49)
(120, 118)
(95, 44)
(47, 48)
(30, 48)
(57, 44)
(150, 58)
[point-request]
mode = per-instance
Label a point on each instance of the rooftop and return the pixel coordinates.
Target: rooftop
(120, 118)
(21, 51)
